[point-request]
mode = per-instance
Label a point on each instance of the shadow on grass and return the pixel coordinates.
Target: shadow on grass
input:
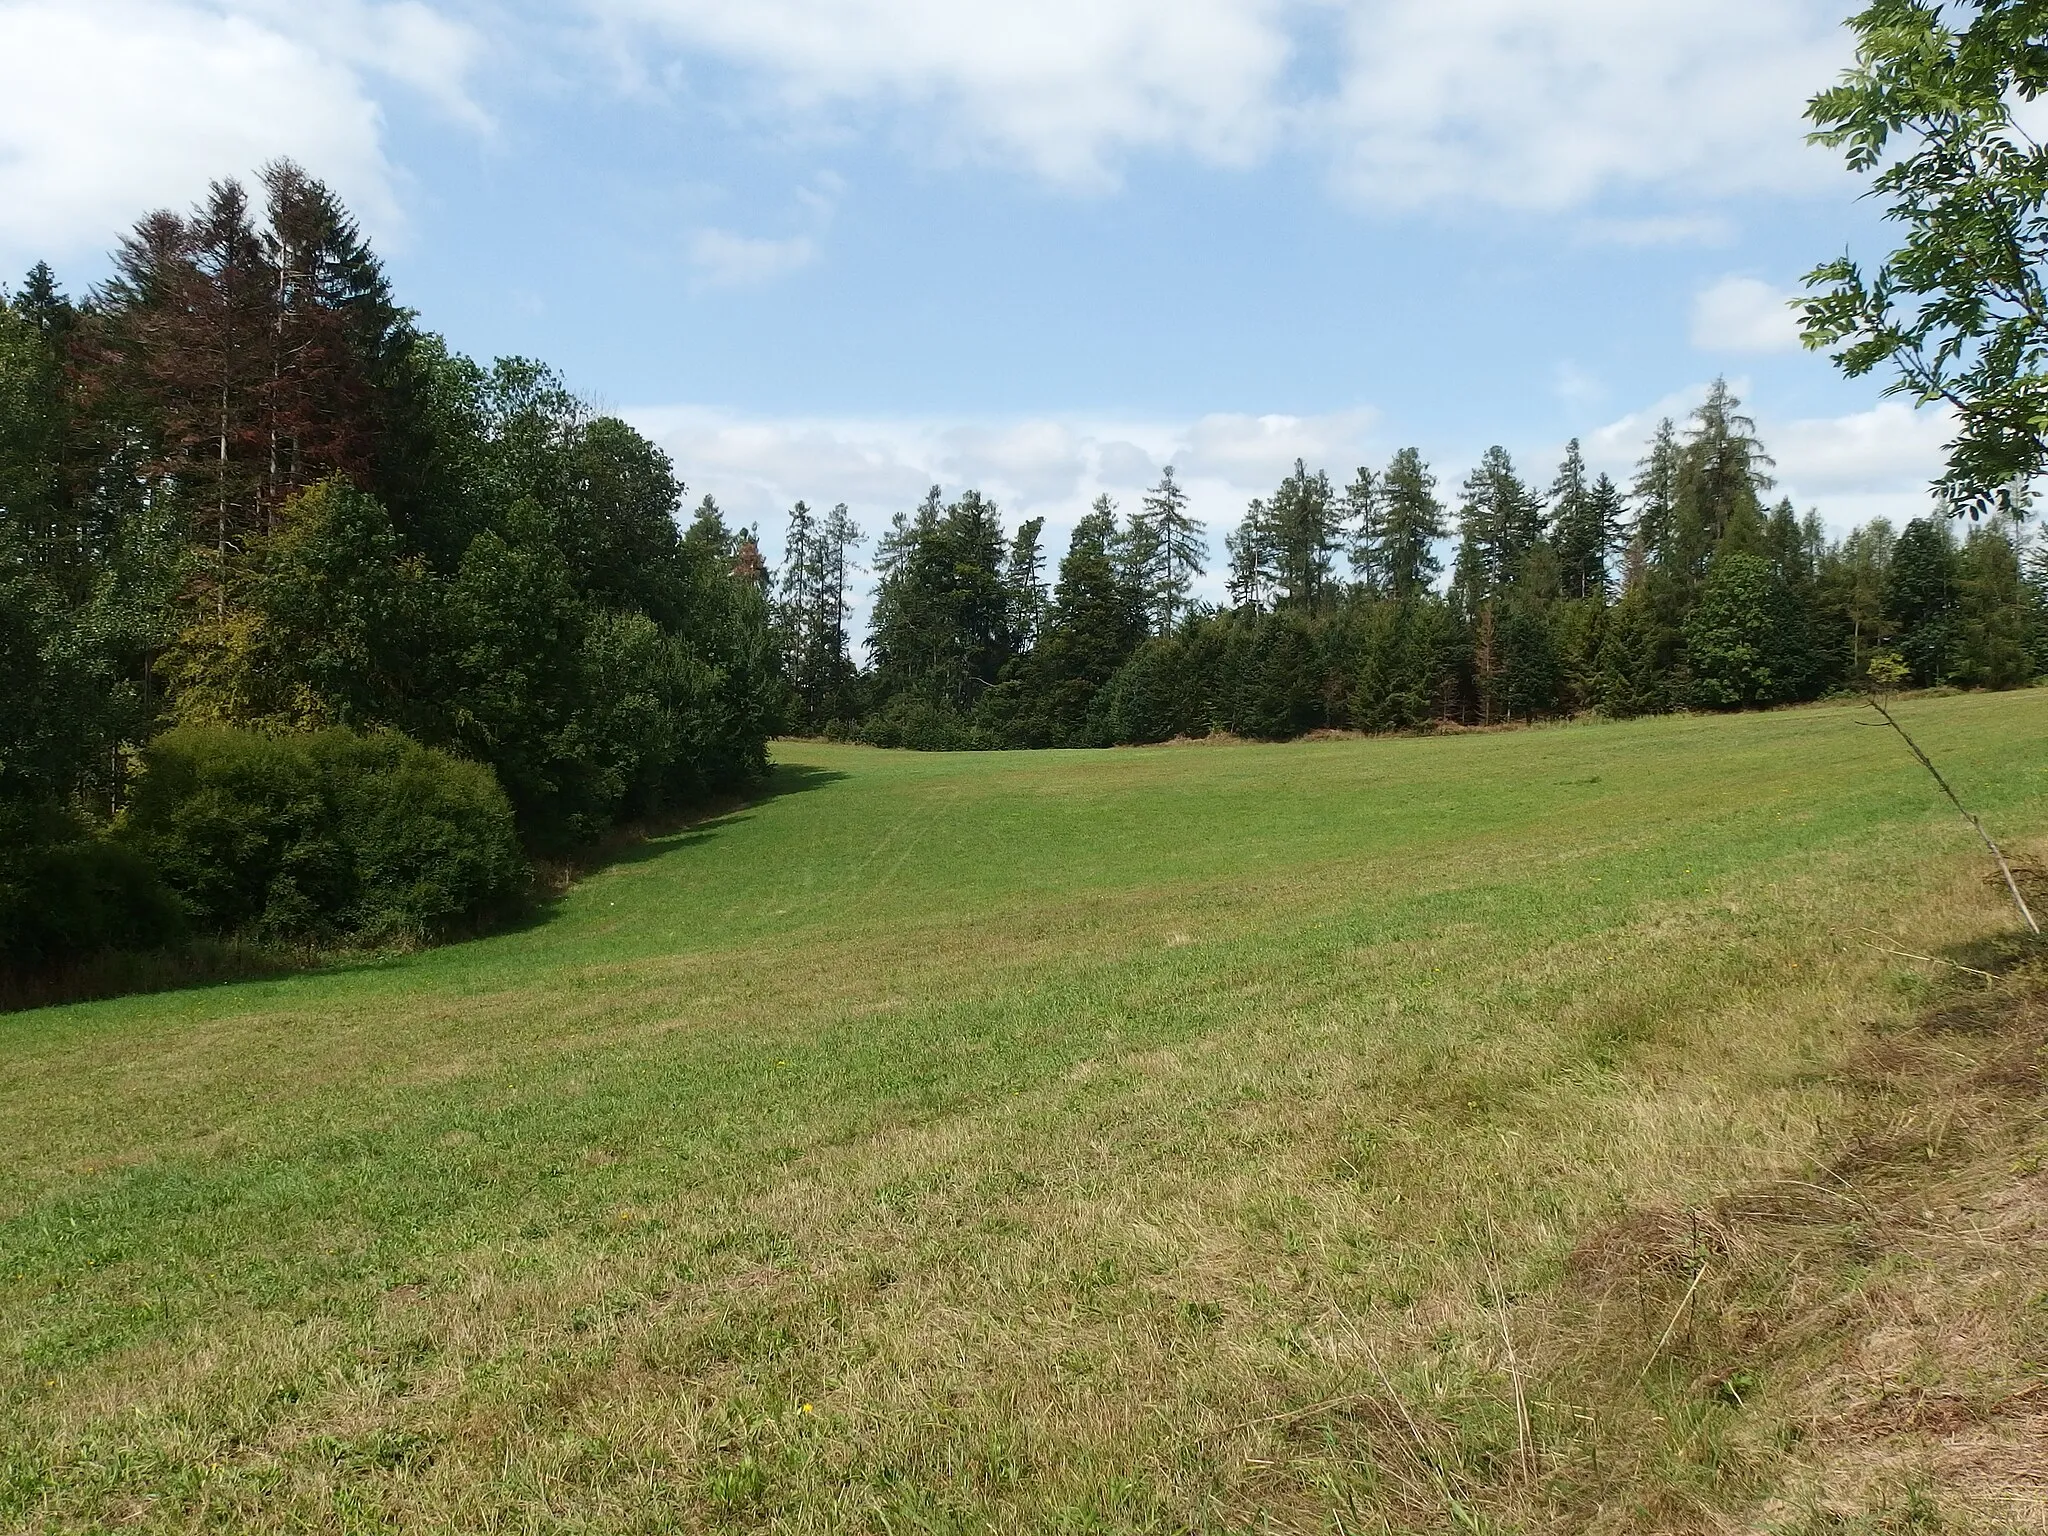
(213, 962)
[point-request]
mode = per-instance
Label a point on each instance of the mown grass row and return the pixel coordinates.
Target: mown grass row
(1203, 1138)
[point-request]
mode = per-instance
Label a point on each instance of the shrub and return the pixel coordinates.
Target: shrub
(326, 837)
(921, 725)
(76, 896)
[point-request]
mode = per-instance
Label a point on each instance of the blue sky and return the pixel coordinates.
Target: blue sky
(841, 249)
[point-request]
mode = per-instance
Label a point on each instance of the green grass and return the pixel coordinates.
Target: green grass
(1168, 1140)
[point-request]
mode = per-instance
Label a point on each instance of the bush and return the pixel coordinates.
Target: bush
(326, 837)
(67, 899)
(922, 726)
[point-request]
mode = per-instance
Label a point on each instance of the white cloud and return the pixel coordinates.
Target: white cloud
(1551, 103)
(1534, 103)
(109, 108)
(1055, 84)
(1744, 314)
(727, 260)
(1653, 230)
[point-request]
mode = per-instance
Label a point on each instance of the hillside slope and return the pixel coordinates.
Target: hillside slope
(1333, 1137)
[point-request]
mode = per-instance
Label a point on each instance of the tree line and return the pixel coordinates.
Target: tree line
(242, 491)
(1688, 588)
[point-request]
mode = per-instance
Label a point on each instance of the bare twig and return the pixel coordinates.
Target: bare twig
(1907, 954)
(1928, 763)
(1293, 1414)
(1672, 1326)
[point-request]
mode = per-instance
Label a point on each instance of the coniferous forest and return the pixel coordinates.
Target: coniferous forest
(314, 631)
(1691, 588)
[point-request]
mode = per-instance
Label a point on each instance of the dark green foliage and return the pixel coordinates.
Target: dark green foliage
(913, 721)
(1746, 640)
(1251, 557)
(941, 621)
(1306, 529)
(323, 837)
(1634, 671)
(1050, 698)
(1502, 520)
(1993, 623)
(1162, 692)
(239, 488)
(1411, 520)
(1586, 523)
(66, 895)
(1409, 656)
(1920, 598)
(1529, 671)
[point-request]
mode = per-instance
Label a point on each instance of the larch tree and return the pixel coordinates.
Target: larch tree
(1359, 513)
(1722, 474)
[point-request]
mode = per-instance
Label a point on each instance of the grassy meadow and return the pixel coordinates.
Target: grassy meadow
(1527, 1131)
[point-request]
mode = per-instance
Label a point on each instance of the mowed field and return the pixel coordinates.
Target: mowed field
(1520, 1131)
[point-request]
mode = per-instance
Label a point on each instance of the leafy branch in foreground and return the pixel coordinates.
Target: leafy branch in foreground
(1960, 309)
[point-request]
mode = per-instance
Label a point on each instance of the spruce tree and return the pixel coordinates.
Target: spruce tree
(1024, 580)
(1850, 589)
(1360, 515)
(1920, 598)
(1305, 537)
(1655, 496)
(1182, 553)
(1503, 517)
(1993, 624)
(796, 609)
(1138, 550)
(1586, 519)
(1251, 558)
(1411, 521)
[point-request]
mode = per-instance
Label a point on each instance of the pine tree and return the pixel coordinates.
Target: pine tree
(1411, 521)
(1182, 553)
